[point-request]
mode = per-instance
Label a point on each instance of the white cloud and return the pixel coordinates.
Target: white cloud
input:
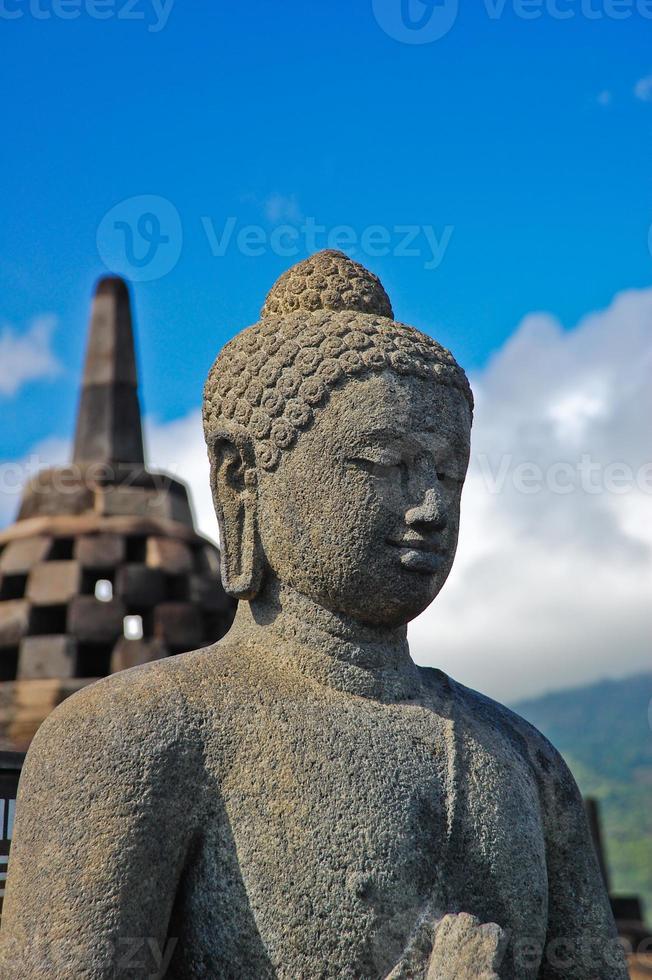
(604, 98)
(26, 357)
(549, 588)
(552, 586)
(643, 89)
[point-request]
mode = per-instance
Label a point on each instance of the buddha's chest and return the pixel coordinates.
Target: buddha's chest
(337, 831)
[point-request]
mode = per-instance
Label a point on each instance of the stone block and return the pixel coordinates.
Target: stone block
(209, 594)
(21, 555)
(14, 618)
(131, 653)
(53, 582)
(100, 550)
(54, 492)
(170, 555)
(47, 656)
(139, 585)
(179, 509)
(128, 501)
(178, 624)
(92, 621)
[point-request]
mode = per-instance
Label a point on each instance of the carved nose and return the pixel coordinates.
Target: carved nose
(430, 511)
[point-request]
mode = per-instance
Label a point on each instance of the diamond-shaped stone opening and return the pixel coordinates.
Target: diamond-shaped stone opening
(47, 620)
(8, 663)
(136, 548)
(177, 587)
(104, 590)
(61, 549)
(91, 576)
(93, 659)
(132, 627)
(12, 586)
(147, 618)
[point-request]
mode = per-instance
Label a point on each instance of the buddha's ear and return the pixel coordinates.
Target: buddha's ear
(234, 486)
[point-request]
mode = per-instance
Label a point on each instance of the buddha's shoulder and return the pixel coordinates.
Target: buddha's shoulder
(497, 727)
(164, 700)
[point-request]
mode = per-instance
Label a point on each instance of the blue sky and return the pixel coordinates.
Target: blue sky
(498, 136)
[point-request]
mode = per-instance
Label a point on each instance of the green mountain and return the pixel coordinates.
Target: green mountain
(604, 733)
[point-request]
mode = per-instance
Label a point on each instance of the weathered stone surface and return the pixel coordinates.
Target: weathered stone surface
(93, 621)
(170, 555)
(301, 800)
(466, 949)
(100, 550)
(328, 280)
(14, 618)
(455, 947)
(47, 656)
(19, 556)
(53, 582)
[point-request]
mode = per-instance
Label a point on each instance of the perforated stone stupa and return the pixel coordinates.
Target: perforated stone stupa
(103, 568)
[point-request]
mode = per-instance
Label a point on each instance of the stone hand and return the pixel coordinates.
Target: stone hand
(466, 949)
(454, 947)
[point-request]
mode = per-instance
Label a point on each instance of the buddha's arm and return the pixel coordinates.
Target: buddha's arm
(100, 839)
(581, 941)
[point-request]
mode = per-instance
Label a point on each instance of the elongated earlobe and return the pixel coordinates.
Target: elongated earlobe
(233, 482)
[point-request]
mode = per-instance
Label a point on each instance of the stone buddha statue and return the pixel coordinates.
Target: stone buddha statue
(300, 800)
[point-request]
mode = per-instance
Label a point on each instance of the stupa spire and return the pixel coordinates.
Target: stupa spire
(108, 419)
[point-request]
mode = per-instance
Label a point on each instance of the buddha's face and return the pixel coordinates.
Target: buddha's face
(362, 514)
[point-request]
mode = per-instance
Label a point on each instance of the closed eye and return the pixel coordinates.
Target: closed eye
(375, 468)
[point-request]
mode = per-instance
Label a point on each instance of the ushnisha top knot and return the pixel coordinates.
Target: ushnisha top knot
(328, 280)
(273, 377)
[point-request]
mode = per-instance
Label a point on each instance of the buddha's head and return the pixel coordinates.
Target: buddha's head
(338, 441)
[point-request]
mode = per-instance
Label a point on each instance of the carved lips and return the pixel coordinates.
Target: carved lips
(418, 554)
